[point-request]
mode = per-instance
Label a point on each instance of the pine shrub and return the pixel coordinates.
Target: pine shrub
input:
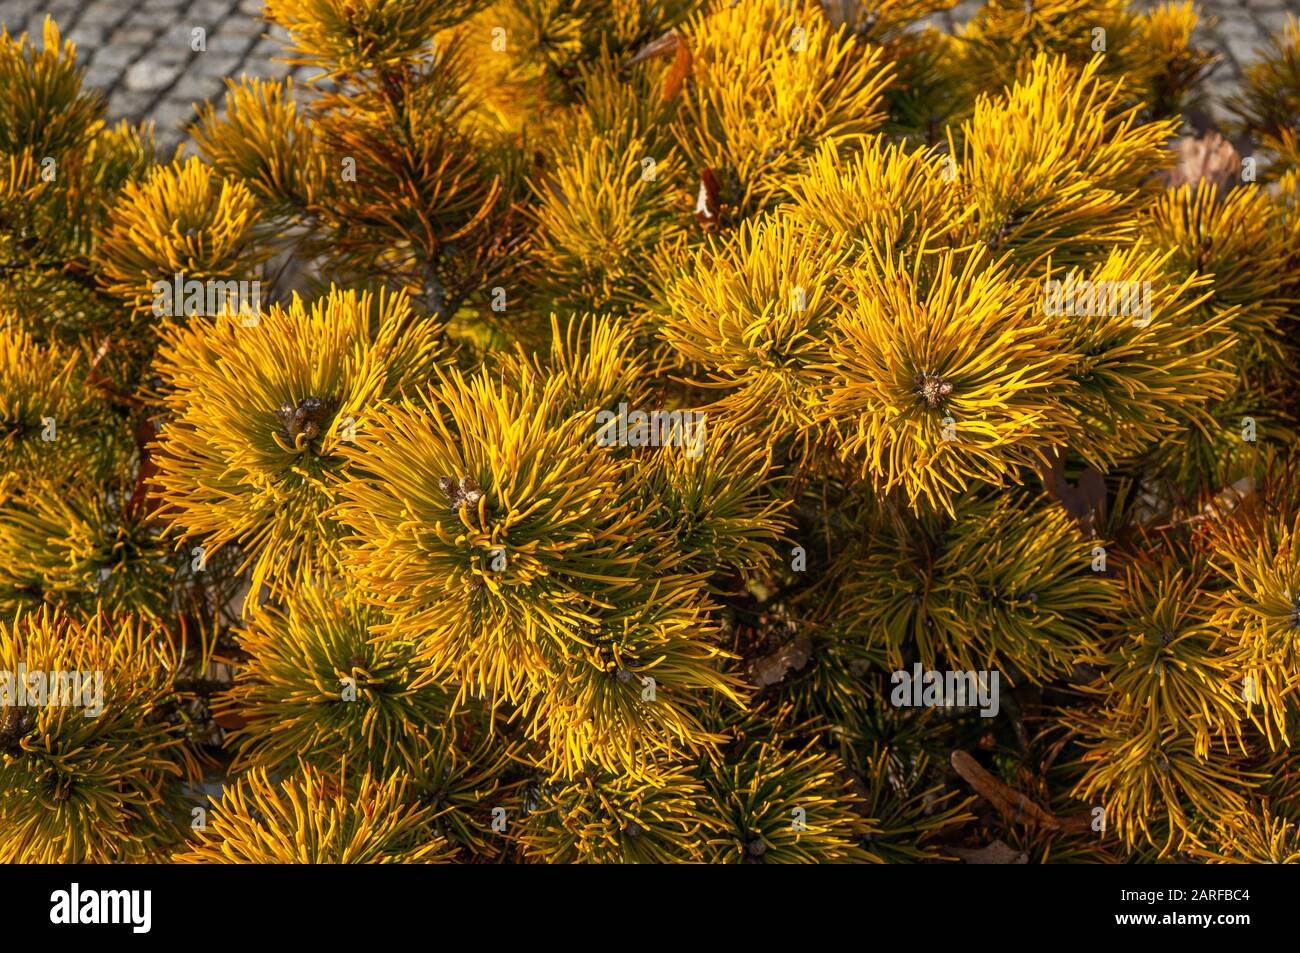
(568, 432)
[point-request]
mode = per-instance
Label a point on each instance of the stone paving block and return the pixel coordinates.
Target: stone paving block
(152, 20)
(1273, 22)
(210, 11)
(86, 37)
(229, 44)
(116, 55)
(176, 30)
(1243, 47)
(264, 69)
(172, 115)
(102, 14)
(131, 38)
(150, 76)
(196, 35)
(147, 21)
(196, 89)
(15, 13)
(201, 84)
(170, 49)
(124, 104)
(1241, 25)
(214, 65)
(242, 25)
(1217, 12)
(63, 11)
(266, 49)
(102, 78)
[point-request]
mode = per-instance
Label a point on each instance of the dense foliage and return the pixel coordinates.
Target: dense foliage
(554, 433)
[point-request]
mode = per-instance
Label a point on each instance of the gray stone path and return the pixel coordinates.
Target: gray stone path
(139, 52)
(1242, 30)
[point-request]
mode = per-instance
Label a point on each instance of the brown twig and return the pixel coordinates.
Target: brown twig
(144, 434)
(1010, 802)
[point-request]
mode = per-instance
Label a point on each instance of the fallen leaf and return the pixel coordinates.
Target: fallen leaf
(1209, 157)
(660, 46)
(230, 720)
(676, 78)
(772, 669)
(708, 204)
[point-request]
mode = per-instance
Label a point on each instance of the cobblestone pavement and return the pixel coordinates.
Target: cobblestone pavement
(139, 52)
(1236, 29)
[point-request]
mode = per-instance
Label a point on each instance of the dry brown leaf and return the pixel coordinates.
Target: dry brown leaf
(661, 46)
(230, 720)
(676, 77)
(1209, 157)
(772, 669)
(708, 203)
